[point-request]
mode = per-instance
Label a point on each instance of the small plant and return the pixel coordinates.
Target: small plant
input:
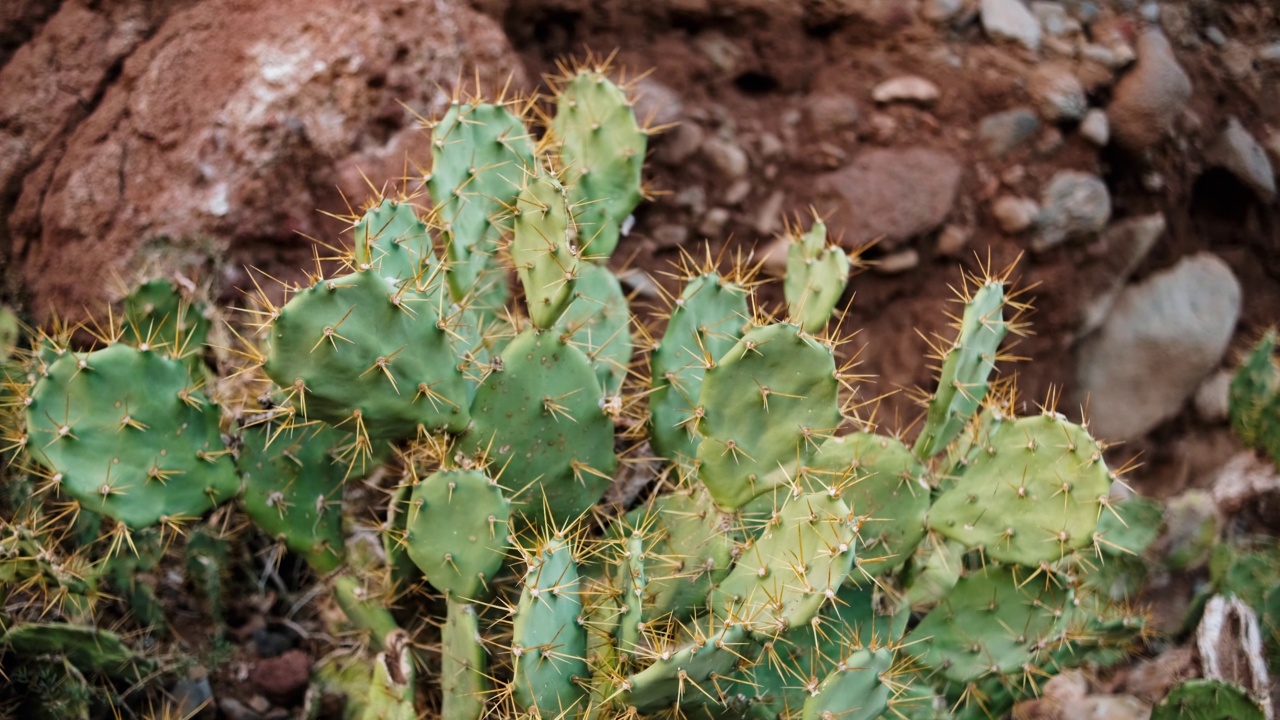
(769, 570)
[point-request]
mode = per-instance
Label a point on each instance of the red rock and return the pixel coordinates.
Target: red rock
(226, 132)
(894, 194)
(282, 679)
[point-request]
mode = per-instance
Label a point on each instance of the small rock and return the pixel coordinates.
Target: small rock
(1162, 338)
(1058, 92)
(670, 235)
(1010, 20)
(1014, 214)
(770, 146)
(1215, 36)
(1121, 248)
(1211, 398)
(1237, 151)
(1149, 98)
(737, 192)
(233, 709)
(1074, 204)
(1152, 679)
(831, 112)
(729, 160)
(883, 127)
(1191, 526)
(1113, 707)
(1152, 181)
(693, 199)
(907, 88)
(1053, 18)
(1150, 11)
(679, 144)
(713, 222)
(1114, 58)
(656, 104)
(1237, 59)
(940, 11)
(282, 679)
(1050, 141)
(1248, 487)
(1269, 53)
(898, 262)
(890, 193)
(193, 696)
(773, 257)
(766, 222)
(1004, 132)
(953, 239)
(1095, 128)
(723, 52)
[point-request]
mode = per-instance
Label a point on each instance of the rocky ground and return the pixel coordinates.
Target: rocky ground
(1125, 151)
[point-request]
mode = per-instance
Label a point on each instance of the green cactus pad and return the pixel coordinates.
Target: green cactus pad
(480, 155)
(1031, 496)
(883, 484)
(633, 583)
(991, 623)
(293, 489)
(549, 641)
(1254, 398)
(769, 402)
(602, 149)
(693, 551)
(689, 670)
(1207, 700)
(544, 248)
(816, 278)
(966, 370)
(126, 434)
(157, 316)
(391, 240)
(456, 531)
(706, 322)
(463, 681)
(598, 322)
(391, 687)
(793, 568)
(89, 649)
(363, 355)
(539, 423)
(855, 691)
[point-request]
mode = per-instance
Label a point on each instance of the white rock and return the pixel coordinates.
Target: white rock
(1237, 151)
(1011, 20)
(907, 88)
(1058, 92)
(1014, 214)
(1095, 128)
(1163, 336)
(1075, 204)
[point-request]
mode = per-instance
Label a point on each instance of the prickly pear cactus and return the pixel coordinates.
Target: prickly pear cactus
(126, 433)
(1207, 700)
(1254, 398)
(544, 247)
(157, 316)
(602, 150)
(706, 321)
(857, 690)
(463, 679)
(766, 406)
(391, 240)
(456, 531)
(480, 153)
(548, 640)
(1031, 495)
(598, 322)
(816, 278)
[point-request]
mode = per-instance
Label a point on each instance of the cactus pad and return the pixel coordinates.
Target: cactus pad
(391, 240)
(544, 248)
(602, 149)
(883, 484)
(705, 323)
(89, 649)
(816, 278)
(293, 489)
(793, 568)
(549, 641)
(768, 403)
(1207, 700)
(688, 670)
(693, 551)
(539, 423)
(157, 316)
(463, 681)
(359, 353)
(855, 691)
(1031, 496)
(456, 531)
(126, 433)
(598, 322)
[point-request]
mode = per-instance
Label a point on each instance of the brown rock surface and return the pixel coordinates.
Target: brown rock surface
(1149, 98)
(866, 198)
(226, 132)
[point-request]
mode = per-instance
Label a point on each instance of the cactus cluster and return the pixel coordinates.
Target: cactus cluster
(770, 569)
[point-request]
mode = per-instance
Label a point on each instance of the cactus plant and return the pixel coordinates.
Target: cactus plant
(1207, 700)
(816, 278)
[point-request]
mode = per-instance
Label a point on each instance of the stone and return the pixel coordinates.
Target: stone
(1211, 398)
(193, 696)
(1058, 92)
(1238, 152)
(1192, 522)
(1119, 250)
(1248, 487)
(1161, 339)
(898, 262)
(737, 192)
(655, 104)
(1214, 35)
(889, 194)
(1004, 132)
(1054, 19)
(953, 240)
(226, 131)
(1150, 680)
(1014, 214)
(670, 235)
(1150, 97)
(1273, 148)
(1095, 128)
(679, 144)
(282, 679)
(1074, 204)
(1011, 20)
(1112, 57)
(726, 158)
(906, 88)
(713, 222)
(769, 214)
(941, 11)
(831, 112)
